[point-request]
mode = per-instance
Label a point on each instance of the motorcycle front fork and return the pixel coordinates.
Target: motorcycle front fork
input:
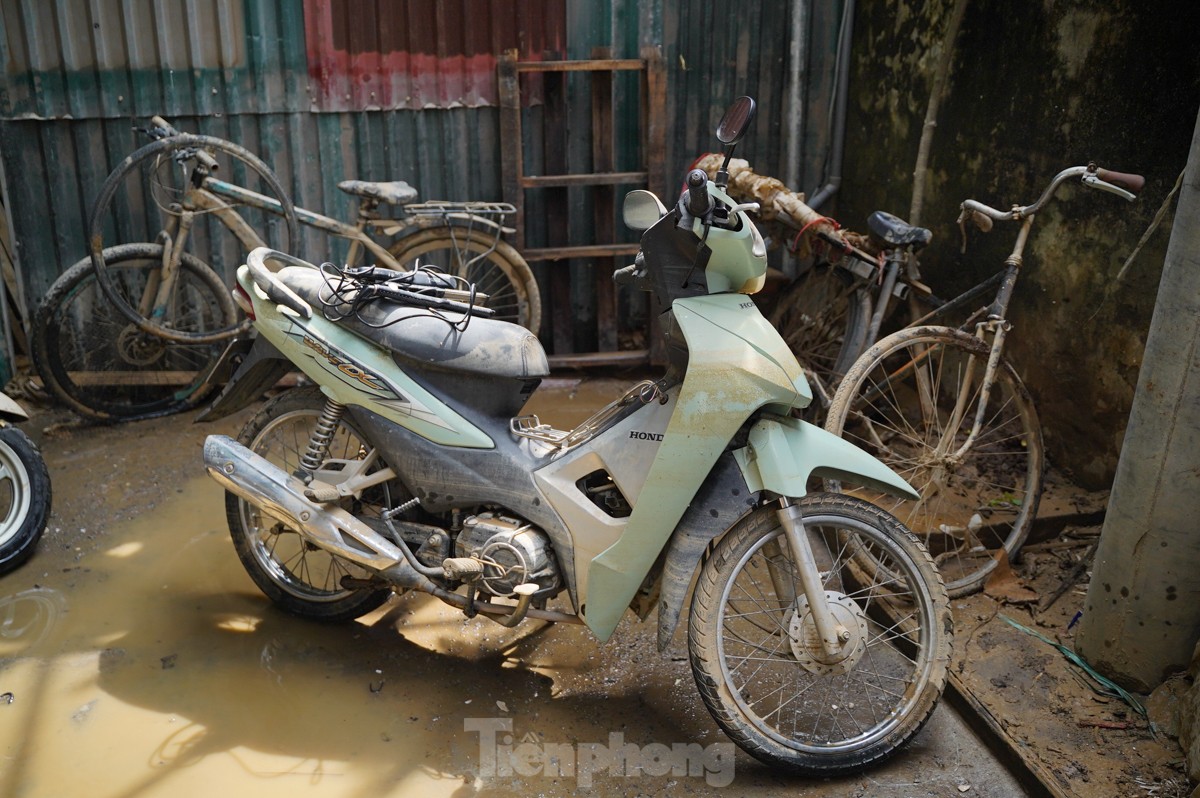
(833, 634)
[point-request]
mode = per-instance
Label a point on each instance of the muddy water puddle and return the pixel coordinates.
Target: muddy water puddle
(138, 659)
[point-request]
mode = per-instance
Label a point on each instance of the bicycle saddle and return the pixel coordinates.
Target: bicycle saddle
(395, 193)
(896, 232)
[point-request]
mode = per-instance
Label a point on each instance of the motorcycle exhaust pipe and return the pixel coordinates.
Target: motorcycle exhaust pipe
(280, 495)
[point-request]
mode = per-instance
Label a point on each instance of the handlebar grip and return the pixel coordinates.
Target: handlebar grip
(1130, 182)
(698, 201)
(164, 125)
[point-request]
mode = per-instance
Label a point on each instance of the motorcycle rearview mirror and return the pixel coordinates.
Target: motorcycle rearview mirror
(642, 209)
(736, 121)
(732, 128)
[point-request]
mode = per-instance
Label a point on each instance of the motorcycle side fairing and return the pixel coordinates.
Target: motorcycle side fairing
(737, 364)
(354, 371)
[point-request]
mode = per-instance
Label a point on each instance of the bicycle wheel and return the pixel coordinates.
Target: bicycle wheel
(148, 193)
(297, 576)
(101, 365)
(494, 267)
(823, 316)
(758, 661)
(912, 400)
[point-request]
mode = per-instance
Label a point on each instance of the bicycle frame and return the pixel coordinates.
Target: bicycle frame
(210, 195)
(995, 324)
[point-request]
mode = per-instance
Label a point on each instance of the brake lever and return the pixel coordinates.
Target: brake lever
(1090, 180)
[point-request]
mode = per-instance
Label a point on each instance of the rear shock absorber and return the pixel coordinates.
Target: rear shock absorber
(322, 435)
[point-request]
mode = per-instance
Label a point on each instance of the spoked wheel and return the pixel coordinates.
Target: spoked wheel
(24, 497)
(912, 400)
(477, 256)
(154, 192)
(103, 366)
(297, 576)
(823, 317)
(758, 661)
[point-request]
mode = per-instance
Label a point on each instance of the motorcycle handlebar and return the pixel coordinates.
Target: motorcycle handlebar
(698, 201)
(634, 274)
(625, 276)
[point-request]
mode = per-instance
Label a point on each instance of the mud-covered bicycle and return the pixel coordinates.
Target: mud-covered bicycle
(936, 400)
(133, 330)
(945, 408)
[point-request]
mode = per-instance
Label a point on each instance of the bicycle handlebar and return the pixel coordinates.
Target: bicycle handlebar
(163, 125)
(1120, 183)
(162, 129)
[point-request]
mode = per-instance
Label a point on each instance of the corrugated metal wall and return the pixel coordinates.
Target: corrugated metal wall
(716, 53)
(324, 90)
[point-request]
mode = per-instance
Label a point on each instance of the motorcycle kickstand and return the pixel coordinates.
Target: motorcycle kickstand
(833, 634)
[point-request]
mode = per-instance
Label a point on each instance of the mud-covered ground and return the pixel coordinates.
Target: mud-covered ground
(1079, 734)
(142, 661)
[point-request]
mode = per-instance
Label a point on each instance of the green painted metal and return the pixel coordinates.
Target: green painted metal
(351, 370)
(784, 452)
(737, 365)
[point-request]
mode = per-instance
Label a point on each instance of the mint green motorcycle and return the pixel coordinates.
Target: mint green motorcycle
(819, 631)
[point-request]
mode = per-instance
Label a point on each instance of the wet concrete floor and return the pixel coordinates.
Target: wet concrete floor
(138, 659)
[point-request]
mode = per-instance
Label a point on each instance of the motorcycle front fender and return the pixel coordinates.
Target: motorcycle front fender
(784, 452)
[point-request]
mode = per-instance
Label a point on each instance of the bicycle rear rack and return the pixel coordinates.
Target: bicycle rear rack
(492, 214)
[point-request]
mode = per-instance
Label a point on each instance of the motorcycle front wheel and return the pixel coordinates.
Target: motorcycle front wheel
(758, 661)
(24, 497)
(297, 576)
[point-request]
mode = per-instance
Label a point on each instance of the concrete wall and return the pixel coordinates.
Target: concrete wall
(1034, 88)
(1141, 620)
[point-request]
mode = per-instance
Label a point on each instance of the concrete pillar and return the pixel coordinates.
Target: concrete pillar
(1141, 619)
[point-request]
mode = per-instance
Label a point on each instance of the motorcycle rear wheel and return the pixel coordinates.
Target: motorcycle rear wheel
(298, 577)
(758, 662)
(24, 497)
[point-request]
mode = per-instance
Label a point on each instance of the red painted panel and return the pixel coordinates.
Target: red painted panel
(423, 53)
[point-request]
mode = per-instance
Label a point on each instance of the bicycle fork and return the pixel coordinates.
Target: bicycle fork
(998, 326)
(160, 286)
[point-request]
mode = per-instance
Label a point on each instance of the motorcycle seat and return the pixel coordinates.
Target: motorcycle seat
(486, 347)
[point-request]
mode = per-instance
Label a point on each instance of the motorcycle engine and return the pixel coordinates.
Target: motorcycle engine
(513, 552)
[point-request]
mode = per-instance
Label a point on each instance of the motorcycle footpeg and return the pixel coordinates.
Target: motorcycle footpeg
(322, 495)
(463, 569)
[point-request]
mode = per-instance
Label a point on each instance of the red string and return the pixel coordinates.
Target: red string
(804, 229)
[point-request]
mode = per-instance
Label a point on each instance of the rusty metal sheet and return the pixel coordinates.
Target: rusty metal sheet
(388, 54)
